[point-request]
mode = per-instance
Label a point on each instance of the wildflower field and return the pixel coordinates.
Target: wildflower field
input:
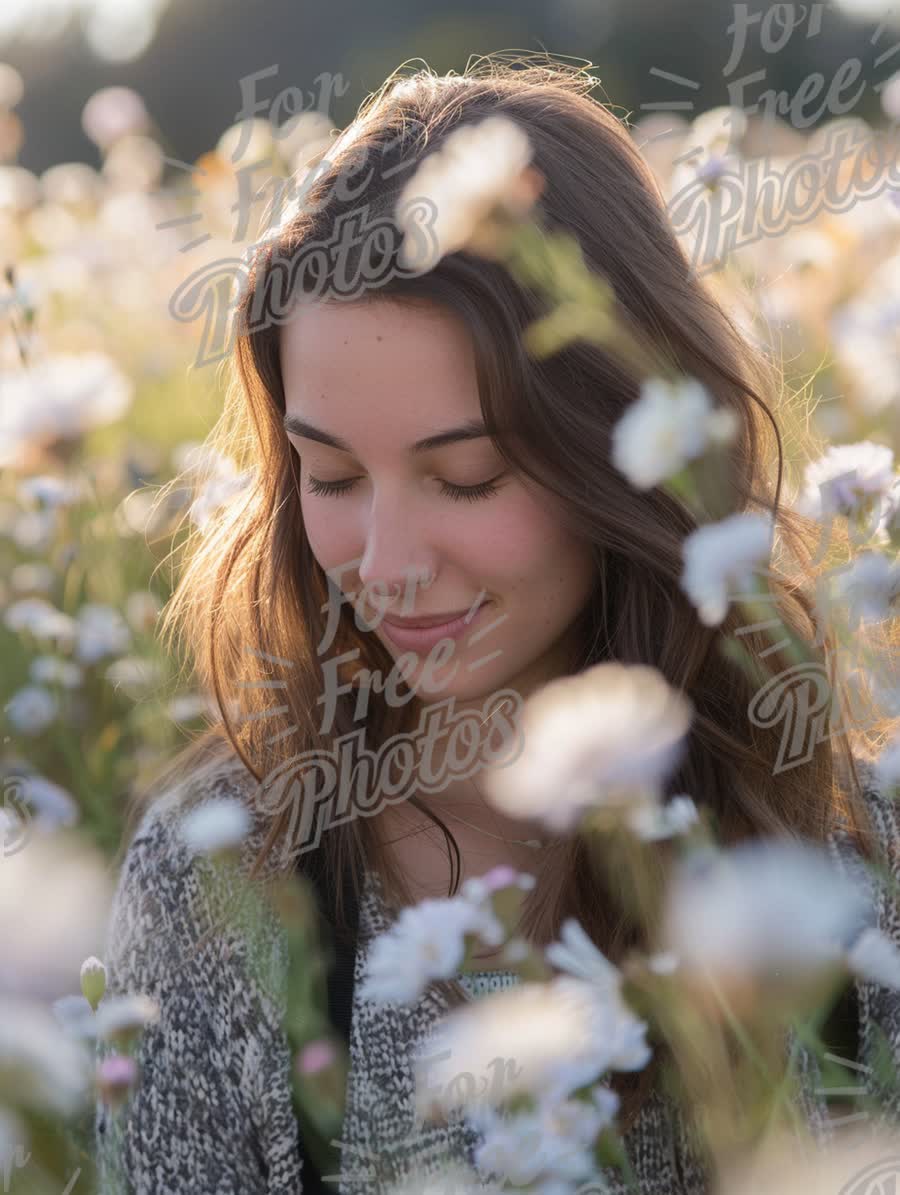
(113, 370)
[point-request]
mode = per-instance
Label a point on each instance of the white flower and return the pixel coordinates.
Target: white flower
(426, 942)
(214, 494)
(890, 97)
(720, 555)
(876, 958)
(451, 1178)
(554, 1141)
(134, 674)
(216, 825)
(667, 426)
(125, 1015)
(863, 352)
(54, 901)
(100, 631)
(845, 477)
(664, 963)
(868, 588)
(54, 670)
(577, 955)
(478, 167)
(34, 530)
(862, 1159)
(652, 823)
(600, 738)
(585, 1030)
(51, 491)
(188, 706)
(142, 610)
(59, 397)
(762, 905)
(549, 1145)
(111, 113)
(32, 709)
(50, 1068)
(32, 577)
(39, 618)
(76, 1017)
(200, 459)
(12, 86)
(480, 889)
(890, 511)
(48, 806)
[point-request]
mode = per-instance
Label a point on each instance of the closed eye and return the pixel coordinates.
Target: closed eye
(459, 493)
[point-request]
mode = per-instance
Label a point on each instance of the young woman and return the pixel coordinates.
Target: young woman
(410, 460)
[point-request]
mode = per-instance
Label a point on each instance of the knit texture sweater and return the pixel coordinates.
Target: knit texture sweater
(213, 1111)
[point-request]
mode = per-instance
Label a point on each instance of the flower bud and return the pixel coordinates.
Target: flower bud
(315, 1056)
(115, 1077)
(93, 981)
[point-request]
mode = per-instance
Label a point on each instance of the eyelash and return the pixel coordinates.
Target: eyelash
(459, 493)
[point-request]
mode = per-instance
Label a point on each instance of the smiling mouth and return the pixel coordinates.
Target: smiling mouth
(426, 623)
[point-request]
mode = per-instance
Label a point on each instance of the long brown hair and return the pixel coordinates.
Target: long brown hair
(250, 603)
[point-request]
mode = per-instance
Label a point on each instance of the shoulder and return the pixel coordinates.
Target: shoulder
(216, 1061)
(881, 808)
(171, 903)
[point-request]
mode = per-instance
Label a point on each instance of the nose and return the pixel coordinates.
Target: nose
(394, 567)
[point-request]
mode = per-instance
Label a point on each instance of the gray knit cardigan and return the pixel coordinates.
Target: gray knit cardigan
(213, 1112)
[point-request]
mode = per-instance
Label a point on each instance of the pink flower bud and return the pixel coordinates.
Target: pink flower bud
(501, 876)
(115, 1077)
(314, 1057)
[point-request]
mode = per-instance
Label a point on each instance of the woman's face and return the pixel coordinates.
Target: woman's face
(379, 377)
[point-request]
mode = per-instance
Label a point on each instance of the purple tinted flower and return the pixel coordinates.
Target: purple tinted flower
(315, 1056)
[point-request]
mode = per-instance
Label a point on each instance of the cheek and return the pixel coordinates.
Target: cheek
(329, 532)
(525, 545)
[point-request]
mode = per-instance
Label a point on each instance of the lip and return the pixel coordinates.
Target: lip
(416, 638)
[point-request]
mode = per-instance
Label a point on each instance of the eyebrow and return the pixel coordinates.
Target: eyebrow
(472, 430)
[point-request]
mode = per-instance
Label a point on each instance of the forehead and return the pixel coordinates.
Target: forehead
(378, 359)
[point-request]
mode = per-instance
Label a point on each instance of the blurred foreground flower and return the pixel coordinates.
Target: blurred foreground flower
(579, 957)
(771, 911)
(585, 1031)
(214, 495)
(39, 802)
(40, 1066)
(54, 898)
(862, 1161)
(722, 556)
(479, 170)
(451, 1179)
(111, 113)
(59, 398)
(667, 426)
(607, 738)
(121, 1019)
(427, 941)
(100, 631)
(848, 480)
(866, 591)
(32, 709)
(217, 825)
(115, 1077)
(40, 618)
(551, 1146)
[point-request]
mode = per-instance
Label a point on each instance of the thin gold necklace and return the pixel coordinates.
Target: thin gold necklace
(534, 843)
